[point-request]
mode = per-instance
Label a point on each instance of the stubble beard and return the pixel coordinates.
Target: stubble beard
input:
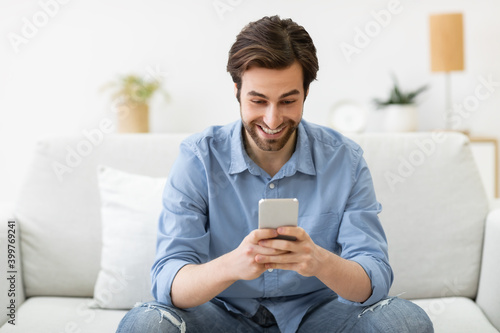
(270, 144)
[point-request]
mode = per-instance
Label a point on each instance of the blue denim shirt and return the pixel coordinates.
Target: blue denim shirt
(210, 203)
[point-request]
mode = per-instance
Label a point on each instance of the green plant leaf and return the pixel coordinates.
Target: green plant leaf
(397, 96)
(133, 88)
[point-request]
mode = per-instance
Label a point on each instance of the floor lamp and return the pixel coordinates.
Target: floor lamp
(447, 51)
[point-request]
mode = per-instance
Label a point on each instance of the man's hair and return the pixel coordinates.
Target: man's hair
(273, 43)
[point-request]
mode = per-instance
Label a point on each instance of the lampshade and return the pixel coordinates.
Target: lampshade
(447, 42)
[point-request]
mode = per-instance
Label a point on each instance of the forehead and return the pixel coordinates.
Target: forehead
(273, 80)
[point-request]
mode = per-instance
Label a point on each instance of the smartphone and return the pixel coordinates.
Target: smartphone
(274, 213)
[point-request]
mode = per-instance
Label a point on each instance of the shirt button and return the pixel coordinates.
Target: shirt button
(270, 270)
(271, 186)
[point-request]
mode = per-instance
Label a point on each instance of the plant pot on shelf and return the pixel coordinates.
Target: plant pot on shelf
(131, 94)
(133, 117)
(400, 118)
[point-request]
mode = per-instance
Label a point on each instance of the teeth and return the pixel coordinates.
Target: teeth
(270, 131)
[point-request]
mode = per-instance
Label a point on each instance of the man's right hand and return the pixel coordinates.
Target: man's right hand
(242, 259)
(196, 284)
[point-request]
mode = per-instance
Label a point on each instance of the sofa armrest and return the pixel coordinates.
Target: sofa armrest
(489, 289)
(7, 291)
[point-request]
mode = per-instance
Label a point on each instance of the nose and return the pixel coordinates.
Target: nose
(273, 117)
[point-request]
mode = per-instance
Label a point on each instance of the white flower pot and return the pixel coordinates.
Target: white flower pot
(400, 118)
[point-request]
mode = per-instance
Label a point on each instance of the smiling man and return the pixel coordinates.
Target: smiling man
(215, 271)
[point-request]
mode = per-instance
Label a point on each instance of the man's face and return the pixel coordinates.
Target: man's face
(271, 105)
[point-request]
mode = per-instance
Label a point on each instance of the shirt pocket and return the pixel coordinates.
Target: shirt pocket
(323, 229)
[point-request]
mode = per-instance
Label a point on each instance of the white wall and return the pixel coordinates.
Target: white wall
(51, 85)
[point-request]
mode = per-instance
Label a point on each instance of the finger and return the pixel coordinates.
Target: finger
(279, 244)
(296, 232)
(287, 258)
(259, 234)
(269, 251)
(289, 267)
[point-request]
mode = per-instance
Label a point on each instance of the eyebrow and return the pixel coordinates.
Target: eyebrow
(257, 94)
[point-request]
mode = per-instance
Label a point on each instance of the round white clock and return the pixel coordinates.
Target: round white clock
(348, 116)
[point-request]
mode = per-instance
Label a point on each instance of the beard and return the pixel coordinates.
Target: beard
(264, 144)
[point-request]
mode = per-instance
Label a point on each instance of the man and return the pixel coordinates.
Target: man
(215, 271)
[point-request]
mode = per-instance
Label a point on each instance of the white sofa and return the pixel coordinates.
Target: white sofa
(444, 245)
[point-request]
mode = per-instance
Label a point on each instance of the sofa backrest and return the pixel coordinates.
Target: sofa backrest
(434, 208)
(58, 208)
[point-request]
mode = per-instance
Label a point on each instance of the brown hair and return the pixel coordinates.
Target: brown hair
(274, 43)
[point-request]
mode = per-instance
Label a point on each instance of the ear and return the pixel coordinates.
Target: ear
(237, 93)
(306, 93)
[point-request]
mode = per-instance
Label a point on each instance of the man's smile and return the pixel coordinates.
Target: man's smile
(270, 131)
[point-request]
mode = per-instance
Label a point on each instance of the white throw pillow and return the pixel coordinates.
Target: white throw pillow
(130, 208)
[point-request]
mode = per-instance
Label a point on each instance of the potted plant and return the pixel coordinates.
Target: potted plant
(131, 95)
(400, 109)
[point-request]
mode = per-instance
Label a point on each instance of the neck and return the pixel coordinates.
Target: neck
(270, 161)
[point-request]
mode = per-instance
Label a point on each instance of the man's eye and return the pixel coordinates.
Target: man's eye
(258, 101)
(286, 102)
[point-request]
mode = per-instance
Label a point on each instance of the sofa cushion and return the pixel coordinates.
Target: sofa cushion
(63, 314)
(434, 210)
(58, 206)
(455, 315)
(131, 206)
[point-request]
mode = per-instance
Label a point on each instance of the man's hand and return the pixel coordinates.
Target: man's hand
(242, 260)
(196, 284)
(301, 255)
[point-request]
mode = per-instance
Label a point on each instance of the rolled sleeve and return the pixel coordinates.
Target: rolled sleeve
(164, 278)
(380, 278)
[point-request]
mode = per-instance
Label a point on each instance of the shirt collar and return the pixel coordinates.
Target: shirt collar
(240, 161)
(301, 159)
